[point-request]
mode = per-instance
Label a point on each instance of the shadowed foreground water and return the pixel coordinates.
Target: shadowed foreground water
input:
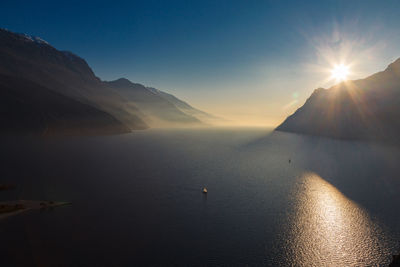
(137, 200)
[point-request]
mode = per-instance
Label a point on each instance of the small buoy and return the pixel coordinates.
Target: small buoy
(204, 190)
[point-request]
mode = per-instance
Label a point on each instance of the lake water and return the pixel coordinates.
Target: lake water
(137, 200)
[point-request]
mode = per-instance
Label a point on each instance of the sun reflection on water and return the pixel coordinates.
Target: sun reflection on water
(328, 229)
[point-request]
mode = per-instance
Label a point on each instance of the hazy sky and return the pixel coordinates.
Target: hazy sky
(250, 61)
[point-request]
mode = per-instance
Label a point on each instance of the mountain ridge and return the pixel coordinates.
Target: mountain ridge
(157, 109)
(186, 108)
(31, 58)
(62, 72)
(365, 109)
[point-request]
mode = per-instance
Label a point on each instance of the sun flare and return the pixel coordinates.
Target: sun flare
(340, 72)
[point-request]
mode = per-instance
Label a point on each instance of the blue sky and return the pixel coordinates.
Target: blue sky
(252, 61)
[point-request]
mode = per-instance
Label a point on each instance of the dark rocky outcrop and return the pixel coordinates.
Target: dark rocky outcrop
(395, 261)
(29, 108)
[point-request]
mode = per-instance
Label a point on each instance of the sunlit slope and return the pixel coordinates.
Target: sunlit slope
(362, 109)
(157, 110)
(188, 109)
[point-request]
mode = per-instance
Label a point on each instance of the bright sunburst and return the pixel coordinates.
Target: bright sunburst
(340, 72)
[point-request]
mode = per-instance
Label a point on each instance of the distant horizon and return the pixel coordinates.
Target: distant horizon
(246, 62)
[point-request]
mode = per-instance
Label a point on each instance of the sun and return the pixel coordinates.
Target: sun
(340, 72)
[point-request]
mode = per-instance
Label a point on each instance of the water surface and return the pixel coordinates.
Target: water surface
(137, 200)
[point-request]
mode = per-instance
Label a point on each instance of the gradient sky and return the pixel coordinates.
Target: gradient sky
(253, 62)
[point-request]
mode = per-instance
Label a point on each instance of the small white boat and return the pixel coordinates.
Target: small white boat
(204, 190)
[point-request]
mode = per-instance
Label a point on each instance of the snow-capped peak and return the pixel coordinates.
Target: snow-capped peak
(34, 39)
(26, 37)
(154, 90)
(40, 40)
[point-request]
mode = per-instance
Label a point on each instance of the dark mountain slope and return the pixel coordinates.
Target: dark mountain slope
(362, 109)
(33, 59)
(26, 107)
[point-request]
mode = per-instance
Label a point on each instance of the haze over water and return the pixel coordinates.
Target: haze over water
(137, 200)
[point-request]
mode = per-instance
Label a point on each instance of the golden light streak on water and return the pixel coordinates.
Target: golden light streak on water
(329, 229)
